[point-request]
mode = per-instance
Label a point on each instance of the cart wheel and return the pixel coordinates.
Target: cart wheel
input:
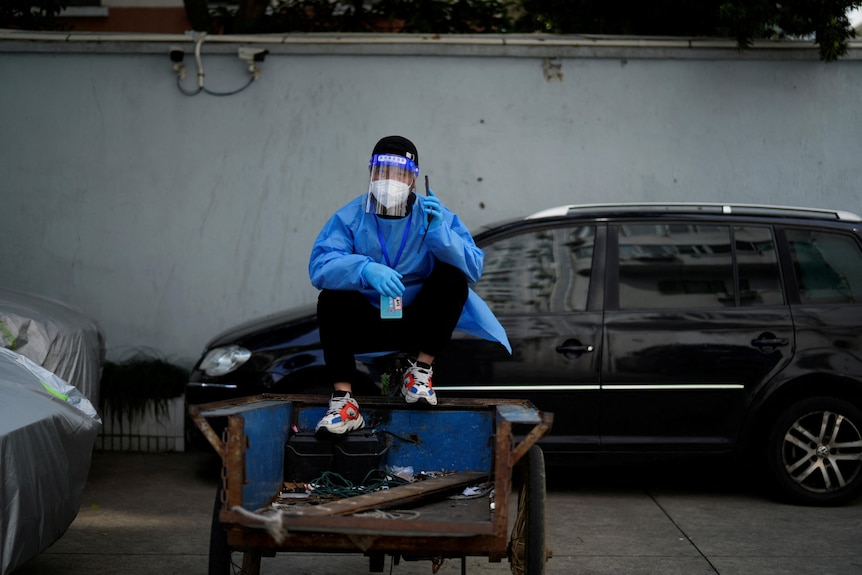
(527, 551)
(219, 558)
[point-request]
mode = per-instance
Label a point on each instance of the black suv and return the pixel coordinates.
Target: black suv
(645, 329)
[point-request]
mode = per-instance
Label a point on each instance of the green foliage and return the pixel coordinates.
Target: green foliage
(626, 17)
(744, 20)
(826, 21)
(446, 16)
(31, 14)
(407, 16)
(129, 386)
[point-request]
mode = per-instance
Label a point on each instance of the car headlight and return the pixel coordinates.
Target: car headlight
(223, 360)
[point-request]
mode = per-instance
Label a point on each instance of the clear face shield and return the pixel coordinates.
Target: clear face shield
(392, 181)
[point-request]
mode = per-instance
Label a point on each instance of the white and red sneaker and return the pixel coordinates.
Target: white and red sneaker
(342, 416)
(417, 384)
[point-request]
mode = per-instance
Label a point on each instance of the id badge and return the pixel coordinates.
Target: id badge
(390, 307)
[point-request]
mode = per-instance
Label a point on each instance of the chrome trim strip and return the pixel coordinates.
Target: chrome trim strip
(671, 387)
(588, 387)
(216, 385)
(593, 387)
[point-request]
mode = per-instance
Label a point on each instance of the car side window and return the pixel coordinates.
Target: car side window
(538, 271)
(757, 262)
(828, 266)
(672, 266)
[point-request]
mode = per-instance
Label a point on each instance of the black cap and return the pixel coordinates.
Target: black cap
(397, 145)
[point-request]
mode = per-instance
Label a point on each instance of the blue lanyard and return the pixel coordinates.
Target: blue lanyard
(403, 241)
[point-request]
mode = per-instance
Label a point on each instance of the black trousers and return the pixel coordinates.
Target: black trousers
(350, 324)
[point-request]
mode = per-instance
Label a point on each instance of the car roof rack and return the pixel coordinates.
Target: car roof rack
(694, 207)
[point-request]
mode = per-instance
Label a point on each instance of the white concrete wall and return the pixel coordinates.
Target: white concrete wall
(170, 218)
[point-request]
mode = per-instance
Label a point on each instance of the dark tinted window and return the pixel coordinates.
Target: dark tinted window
(757, 261)
(674, 266)
(828, 266)
(538, 271)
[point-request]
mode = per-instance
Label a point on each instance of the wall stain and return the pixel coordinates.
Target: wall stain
(553, 69)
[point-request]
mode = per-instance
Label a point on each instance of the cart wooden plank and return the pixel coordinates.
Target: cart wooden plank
(395, 495)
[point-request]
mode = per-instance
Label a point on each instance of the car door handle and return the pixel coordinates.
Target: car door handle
(774, 342)
(574, 348)
(768, 342)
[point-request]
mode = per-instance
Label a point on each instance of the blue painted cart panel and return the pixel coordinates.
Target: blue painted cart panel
(267, 430)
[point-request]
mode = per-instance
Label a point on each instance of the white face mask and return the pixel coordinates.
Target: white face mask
(390, 193)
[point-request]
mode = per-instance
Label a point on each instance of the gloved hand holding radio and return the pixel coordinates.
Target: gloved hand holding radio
(385, 280)
(433, 210)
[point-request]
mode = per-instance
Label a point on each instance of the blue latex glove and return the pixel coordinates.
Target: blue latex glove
(433, 210)
(385, 280)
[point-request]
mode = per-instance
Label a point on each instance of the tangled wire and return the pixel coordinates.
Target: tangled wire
(331, 484)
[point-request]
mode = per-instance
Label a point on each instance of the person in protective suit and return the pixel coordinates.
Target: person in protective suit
(394, 270)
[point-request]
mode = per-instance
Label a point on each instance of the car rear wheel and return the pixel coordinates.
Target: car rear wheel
(814, 451)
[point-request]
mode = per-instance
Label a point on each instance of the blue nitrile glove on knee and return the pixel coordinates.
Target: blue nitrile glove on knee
(385, 280)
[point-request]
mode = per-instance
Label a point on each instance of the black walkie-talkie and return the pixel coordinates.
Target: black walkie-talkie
(427, 187)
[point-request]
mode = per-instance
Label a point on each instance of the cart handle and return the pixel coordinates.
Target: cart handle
(207, 430)
(538, 431)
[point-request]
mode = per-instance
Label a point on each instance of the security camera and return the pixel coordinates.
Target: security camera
(252, 54)
(177, 54)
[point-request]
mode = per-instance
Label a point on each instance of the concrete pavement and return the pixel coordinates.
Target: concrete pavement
(150, 513)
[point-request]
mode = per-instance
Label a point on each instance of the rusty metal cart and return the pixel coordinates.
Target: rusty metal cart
(487, 446)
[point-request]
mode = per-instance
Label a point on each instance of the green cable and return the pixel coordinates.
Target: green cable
(332, 484)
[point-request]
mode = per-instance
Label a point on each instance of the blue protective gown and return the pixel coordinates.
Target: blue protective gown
(349, 241)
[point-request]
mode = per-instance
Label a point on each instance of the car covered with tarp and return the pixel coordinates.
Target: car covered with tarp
(56, 336)
(47, 432)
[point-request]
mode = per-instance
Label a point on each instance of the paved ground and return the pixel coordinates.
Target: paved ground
(150, 513)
